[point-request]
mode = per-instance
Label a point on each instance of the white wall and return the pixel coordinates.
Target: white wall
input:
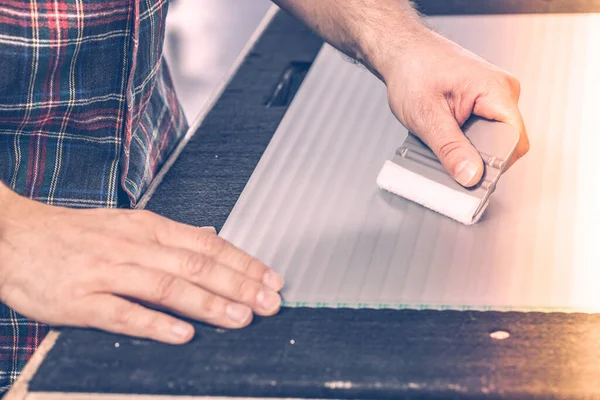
(204, 37)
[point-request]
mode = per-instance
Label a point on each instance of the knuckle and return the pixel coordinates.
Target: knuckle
(512, 83)
(195, 265)
(246, 265)
(165, 288)
(516, 84)
(145, 322)
(210, 308)
(211, 244)
(78, 290)
(254, 268)
(449, 148)
(245, 291)
(141, 216)
(121, 316)
(144, 213)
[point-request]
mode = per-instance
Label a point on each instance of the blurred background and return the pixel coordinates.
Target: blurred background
(203, 39)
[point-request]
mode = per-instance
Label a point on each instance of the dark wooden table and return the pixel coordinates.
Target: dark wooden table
(315, 353)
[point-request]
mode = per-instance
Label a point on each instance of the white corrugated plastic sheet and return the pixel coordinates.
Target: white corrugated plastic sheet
(312, 209)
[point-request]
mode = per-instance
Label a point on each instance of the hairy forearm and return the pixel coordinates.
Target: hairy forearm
(372, 32)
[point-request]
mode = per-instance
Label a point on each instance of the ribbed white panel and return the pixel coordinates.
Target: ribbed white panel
(312, 209)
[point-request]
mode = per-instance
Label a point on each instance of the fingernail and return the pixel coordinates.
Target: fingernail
(181, 330)
(465, 172)
(273, 280)
(238, 313)
(268, 300)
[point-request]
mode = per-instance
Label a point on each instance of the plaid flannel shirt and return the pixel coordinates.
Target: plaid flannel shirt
(88, 114)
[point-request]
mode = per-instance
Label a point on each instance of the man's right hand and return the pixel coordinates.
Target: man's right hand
(115, 269)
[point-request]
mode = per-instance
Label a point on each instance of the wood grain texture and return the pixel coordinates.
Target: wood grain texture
(473, 7)
(343, 354)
